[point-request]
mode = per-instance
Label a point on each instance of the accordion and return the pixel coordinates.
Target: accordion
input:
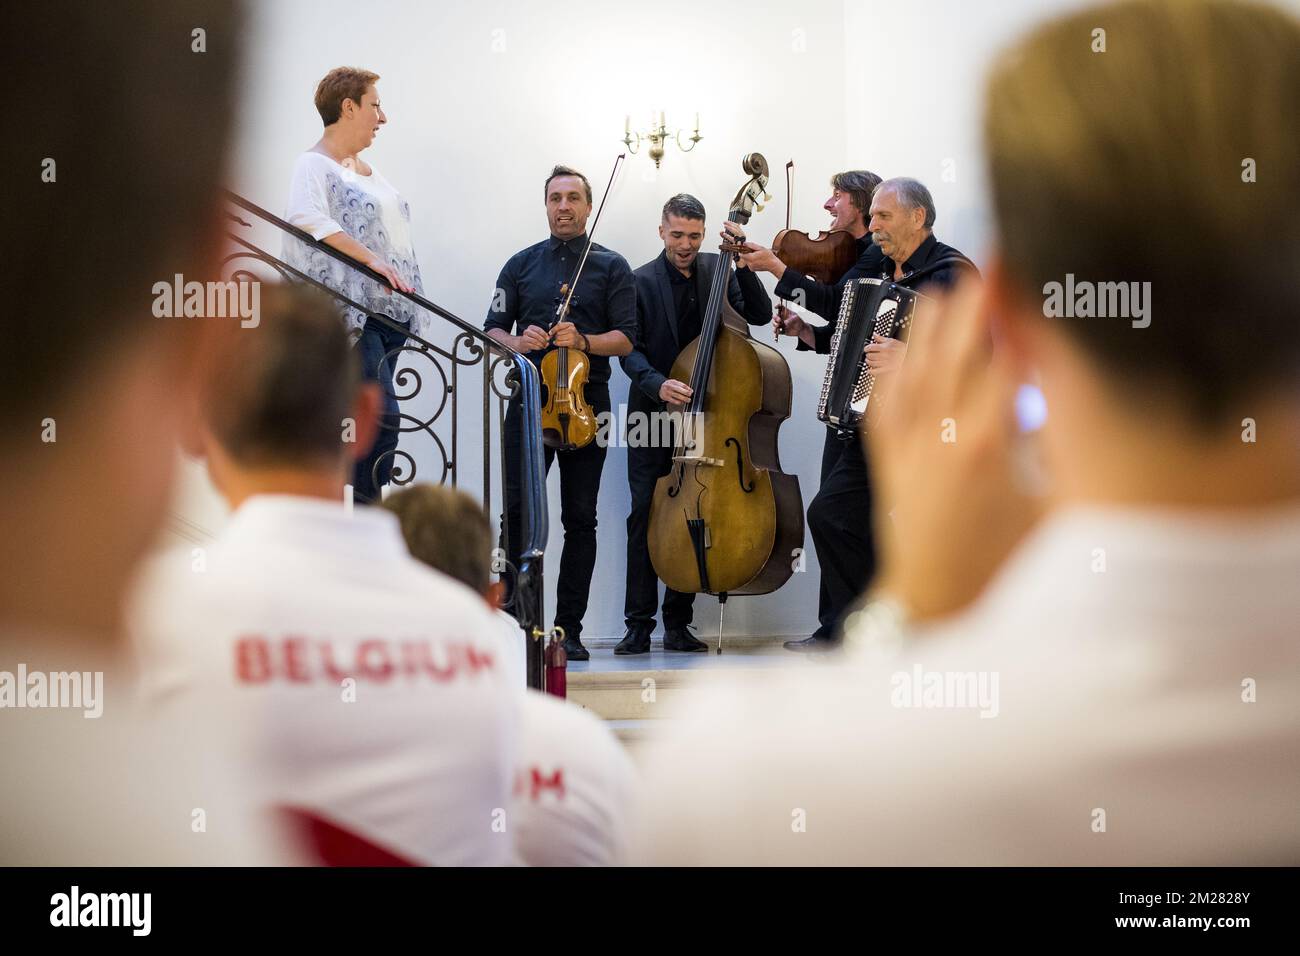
(868, 306)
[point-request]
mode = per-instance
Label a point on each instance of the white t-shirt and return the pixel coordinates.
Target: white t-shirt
(574, 782)
(377, 684)
(115, 780)
(325, 198)
(573, 787)
(1146, 711)
(512, 644)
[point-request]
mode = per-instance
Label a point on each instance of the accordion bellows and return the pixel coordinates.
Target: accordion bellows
(867, 306)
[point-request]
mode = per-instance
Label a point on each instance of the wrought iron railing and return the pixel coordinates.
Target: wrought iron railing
(506, 374)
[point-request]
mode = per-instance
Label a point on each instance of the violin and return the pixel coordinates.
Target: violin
(726, 519)
(824, 258)
(568, 420)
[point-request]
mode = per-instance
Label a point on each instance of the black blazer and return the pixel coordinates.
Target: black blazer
(656, 346)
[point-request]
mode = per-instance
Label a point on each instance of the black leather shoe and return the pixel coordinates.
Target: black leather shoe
(681, 639)
(574, 650)
(813, 645)
(635, 641)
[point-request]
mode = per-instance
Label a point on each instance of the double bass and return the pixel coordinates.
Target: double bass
(726, 519)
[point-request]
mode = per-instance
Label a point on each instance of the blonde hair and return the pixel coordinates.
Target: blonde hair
(1134, 164)
(446, 529)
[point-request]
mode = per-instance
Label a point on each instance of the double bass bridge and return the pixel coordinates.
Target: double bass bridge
(688, 459)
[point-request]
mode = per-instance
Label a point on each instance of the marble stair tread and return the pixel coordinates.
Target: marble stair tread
(603, 660)
(740, 642)
(637, 731)
(650, 693)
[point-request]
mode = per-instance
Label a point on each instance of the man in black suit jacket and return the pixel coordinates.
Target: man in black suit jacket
(672, 293)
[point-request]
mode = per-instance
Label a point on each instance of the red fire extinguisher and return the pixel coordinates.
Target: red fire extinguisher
(557, 663)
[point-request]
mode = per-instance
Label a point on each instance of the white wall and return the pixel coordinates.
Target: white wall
(472, 134)
(484, 97)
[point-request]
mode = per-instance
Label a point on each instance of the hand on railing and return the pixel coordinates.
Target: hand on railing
(389, 273)
(347, 250)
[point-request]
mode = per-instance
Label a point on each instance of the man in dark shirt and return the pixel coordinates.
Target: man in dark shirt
(602, 322)
(672, 296)
(901, 218)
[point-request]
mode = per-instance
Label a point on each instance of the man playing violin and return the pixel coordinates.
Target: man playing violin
(672, 294)
(900, 222)
(848, 205)
(601, 322)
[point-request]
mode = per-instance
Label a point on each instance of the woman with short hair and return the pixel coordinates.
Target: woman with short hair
(344, 202)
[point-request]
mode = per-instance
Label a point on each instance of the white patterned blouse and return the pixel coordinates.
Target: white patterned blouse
(325, 198)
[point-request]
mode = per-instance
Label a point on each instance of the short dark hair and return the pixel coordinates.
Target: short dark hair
(279, 392)
(1128, 166)
(446, 529)
(339, 84)
(911, 194)
(123, 198)
(859, 184)
(685, 206)
(566, 171)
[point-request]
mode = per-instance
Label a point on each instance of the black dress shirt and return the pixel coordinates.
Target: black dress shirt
(659, 340)
(528, 292)
(686, 300)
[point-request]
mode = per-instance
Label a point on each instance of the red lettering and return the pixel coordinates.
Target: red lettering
(252, 660)
(540, 783)
(327, 658)
(476, 660)
(431, 665)
(410, 658)
(295, 663)
(302, 660)
(384, 670)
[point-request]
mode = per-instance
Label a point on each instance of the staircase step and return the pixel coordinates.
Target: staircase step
(616, 689)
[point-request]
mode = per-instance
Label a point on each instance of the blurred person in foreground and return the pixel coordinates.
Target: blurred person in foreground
(1119, 682)
(115, 188)
(573, 780)
(386, 715)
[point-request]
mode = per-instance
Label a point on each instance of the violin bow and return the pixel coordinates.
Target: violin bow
(789, 191)
(563, 311)
(789, 202)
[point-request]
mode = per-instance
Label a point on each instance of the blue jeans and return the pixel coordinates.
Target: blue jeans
(374, 470)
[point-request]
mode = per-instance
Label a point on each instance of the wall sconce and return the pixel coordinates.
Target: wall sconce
(657, 135)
